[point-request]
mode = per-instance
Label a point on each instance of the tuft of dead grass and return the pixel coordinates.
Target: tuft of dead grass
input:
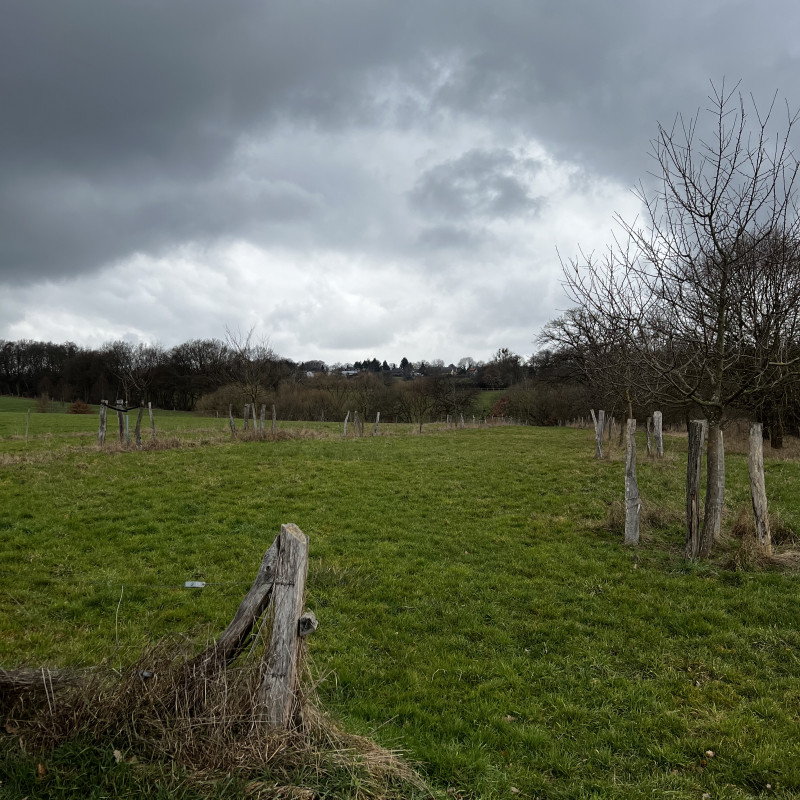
(651, 518)
(151, 713)
(750, 556)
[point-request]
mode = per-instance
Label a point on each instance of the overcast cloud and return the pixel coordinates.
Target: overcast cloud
(353, 178)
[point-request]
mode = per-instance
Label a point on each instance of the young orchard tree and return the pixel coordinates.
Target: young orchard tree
(694, 287)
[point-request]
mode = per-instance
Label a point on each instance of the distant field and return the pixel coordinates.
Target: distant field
(476, 610)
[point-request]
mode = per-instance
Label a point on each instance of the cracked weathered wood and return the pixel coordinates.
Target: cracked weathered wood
(101, 434)
(758, 491)
(658, 433)
(279, 692)
(697, 433)
(599, 427)
(633, 505)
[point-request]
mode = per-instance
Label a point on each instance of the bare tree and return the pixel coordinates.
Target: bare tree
(251, 364)
(693, 289)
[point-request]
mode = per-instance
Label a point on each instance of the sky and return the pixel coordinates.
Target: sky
(348, 179)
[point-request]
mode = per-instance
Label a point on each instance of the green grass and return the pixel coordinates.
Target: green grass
(475, 609)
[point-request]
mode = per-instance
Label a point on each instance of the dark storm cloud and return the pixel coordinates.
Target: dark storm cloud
(123, 122)
(480, 183)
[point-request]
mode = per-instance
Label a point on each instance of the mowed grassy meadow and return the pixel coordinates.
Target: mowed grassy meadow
(477, 609)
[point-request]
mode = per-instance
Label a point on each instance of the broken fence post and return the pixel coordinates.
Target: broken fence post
(279, 690)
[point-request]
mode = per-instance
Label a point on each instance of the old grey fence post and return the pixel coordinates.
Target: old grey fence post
(347, 417)
(758, 491)
(377, 420)
(101, 434)
(274, 419)
(633, 505)
(263, 417)
(137, 431)
(697, 435)
(649, 429)
(599, 426)
(658, 433)
(121, 421)
(278, 694)
(246, 416)
(152, 421)
(230, 419)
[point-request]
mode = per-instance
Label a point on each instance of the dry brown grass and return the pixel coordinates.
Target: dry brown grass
(652, 517)
(750, 555)
(151, 713)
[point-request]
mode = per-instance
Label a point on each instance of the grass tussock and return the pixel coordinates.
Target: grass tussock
(653, 517)
(158, 715)
(750, 556)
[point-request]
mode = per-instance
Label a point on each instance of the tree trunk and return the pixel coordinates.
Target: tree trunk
(758, 492)
(697, 430)
(715, 489)
(633, 505)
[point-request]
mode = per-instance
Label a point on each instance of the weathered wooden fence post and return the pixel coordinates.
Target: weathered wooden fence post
(633, 505)
(758, 491)
(246, 416)
(27, 423)
(377, 420)
(274, 419)
(697, 434)
(658, 433)
(137, 432)
(152, 421)
(278, 694)
(230, 420)
(599, 427)
(347, 417)
(121, 421)
(649, 429)
(263, 417)
(101, 434)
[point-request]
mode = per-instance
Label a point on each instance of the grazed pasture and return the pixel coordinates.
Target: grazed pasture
(476, 608)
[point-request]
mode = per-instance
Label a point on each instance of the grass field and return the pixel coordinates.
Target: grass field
(476, 609)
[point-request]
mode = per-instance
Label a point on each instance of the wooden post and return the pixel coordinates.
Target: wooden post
(121, 420)
(246, 416)
(230, 419)
(274, 419)
(278, 694)
(658, 433)
(263, 417)
(101, 434)
(137, 432)
(697, 433)
(347, 417)
(152, 421)
(462, 421)
(358, 423)
(758, 491)
(27, 423)
(649, 428)
(633, 505)
(377, 420)
(599, 426)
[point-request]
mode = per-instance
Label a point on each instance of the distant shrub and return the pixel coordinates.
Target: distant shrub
(79, 407)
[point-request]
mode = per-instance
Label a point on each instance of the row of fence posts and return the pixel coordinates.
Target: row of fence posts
(123, 420)
(258, 421)
(697, 431)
